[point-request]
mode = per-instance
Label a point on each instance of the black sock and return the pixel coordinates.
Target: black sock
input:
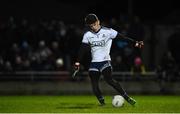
(126, 97)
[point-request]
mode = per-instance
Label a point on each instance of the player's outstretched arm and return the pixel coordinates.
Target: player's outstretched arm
(138, 44)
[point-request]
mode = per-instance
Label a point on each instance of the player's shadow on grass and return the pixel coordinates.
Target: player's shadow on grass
(74, 106)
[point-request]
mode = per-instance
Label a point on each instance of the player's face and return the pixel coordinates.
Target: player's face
(95, 26)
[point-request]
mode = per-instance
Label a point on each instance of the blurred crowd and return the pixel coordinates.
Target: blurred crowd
(52, 45)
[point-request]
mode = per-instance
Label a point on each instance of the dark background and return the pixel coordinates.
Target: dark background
(72, 11)
(30, 31)
(151, 13)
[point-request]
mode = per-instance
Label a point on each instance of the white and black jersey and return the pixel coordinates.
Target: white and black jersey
(100, 43)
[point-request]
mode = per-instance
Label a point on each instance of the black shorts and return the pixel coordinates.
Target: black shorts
(99, 66)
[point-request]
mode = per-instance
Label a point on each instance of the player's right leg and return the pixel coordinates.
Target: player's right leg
(107, 73)
(94, 76)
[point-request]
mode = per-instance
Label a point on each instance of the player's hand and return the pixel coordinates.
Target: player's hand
(139, 44)
(76, 69)
(76, 66)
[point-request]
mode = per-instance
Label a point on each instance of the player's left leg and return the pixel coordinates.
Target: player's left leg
(107, 73)
(94, 76)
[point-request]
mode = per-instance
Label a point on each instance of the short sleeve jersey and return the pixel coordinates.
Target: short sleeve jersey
(100, 43)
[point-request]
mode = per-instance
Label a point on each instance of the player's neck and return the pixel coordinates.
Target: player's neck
(98, 29)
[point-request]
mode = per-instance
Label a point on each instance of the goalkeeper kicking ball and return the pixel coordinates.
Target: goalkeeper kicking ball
(118, 101)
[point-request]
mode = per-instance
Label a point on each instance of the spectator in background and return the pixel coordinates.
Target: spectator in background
(8, 66)
(13, 51)
(26, 49)
(57, 57)
(138, 66)
(18, 64)
(173, 45)
(41, 57)
(59, 66)
(168, 69)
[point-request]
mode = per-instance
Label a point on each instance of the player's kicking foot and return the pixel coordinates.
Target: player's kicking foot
(131, 101)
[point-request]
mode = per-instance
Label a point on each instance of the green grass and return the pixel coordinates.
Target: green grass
(86, 104)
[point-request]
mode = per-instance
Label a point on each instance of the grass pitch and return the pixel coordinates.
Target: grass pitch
(86, 104)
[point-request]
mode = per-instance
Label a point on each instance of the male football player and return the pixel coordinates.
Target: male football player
(99, 39)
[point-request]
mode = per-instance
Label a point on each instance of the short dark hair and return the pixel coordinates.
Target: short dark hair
(90, 19)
